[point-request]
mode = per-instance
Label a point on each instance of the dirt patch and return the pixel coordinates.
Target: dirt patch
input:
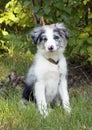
(79, 76)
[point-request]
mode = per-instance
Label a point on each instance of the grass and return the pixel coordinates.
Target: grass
(15, 116)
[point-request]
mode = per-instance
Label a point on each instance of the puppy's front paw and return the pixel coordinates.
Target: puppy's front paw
(67, 108)
(44, 112)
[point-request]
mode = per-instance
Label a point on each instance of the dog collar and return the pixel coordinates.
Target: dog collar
(53, 61)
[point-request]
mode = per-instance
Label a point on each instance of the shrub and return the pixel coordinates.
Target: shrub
(16, 20)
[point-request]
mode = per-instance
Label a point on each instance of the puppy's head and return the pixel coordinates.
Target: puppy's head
(50, 38)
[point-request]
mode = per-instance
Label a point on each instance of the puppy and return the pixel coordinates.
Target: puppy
(46, 80)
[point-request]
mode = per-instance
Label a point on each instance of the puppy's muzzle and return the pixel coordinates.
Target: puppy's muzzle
(51, 48)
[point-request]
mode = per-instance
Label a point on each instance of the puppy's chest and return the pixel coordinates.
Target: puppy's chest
(51, 85)
(47, 71)
(49, 74)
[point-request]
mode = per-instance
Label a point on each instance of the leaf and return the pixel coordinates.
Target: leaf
(89, 48)
(12, 17)
(4, 32)
(83, 35)
(47, 2)
(90, 15)
(46, 10)
(26, 3)
(88, 28)
(68, 11)
(85, 2)
(89, 40)
(1, 19)
(83, 50)
(59, 4)
(36, 9)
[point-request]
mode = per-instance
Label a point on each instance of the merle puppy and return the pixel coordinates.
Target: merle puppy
(46, 81)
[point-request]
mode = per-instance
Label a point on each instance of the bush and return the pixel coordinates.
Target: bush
(77, 16)
(16, 20)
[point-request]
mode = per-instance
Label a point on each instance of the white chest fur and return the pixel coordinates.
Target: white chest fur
(48, 73)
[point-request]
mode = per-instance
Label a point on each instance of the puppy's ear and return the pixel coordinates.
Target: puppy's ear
(36, 33)
(62, 30)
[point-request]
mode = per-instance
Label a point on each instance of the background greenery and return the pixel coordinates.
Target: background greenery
(16, 22)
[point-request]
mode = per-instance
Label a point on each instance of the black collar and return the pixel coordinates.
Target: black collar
(53, 61)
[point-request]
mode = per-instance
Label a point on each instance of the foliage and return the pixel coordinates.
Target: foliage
(17, 13)
(16, 20)
(15, 23)
(77, 16)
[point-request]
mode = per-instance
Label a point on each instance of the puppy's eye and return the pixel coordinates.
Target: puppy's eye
(56, 37)
(44, 39)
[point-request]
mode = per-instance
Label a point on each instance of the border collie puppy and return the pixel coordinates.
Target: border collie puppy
(46, 80)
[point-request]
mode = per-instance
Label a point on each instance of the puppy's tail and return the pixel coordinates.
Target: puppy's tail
(28, 93)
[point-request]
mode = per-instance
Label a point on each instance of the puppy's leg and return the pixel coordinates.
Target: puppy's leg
(40, 98)
(63, 91)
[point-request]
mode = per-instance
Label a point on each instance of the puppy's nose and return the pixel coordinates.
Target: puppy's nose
(51, 48)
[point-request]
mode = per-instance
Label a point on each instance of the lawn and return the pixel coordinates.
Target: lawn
(15, 116)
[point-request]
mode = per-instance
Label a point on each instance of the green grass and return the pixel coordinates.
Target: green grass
(15, 116)
(19, 62)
